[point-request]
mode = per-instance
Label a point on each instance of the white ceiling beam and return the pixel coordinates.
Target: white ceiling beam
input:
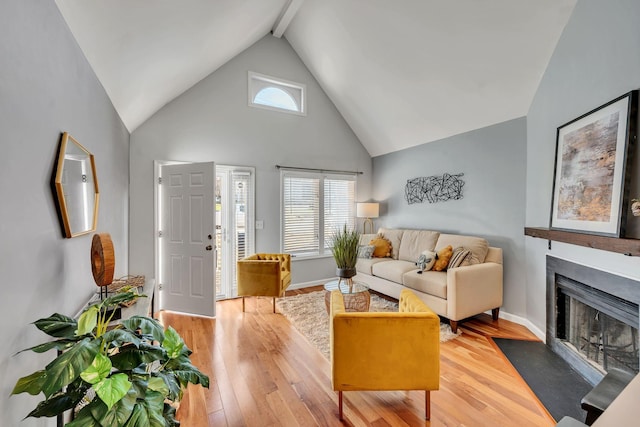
(285, 18)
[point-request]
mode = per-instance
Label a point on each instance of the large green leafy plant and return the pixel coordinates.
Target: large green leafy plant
(128, 375)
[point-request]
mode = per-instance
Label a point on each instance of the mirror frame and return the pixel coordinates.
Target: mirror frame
(64, 213)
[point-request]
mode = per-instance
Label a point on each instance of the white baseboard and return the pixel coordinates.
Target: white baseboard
(309, 284)
(524, 322)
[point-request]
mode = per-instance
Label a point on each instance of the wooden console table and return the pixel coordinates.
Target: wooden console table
(142, 307)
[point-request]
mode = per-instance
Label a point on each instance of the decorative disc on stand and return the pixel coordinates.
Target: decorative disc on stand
(102, 259)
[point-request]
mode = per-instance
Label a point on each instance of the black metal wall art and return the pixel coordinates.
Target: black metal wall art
(437, 188)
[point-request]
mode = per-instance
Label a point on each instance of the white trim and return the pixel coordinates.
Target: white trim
(254, 80)
(309, 284)
(524, 322)
(297, 257)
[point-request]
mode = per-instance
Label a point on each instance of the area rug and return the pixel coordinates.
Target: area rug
(558, 387)
(308, 314)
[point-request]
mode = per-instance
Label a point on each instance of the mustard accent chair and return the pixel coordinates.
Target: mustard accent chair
(385, 351)
(266, 275)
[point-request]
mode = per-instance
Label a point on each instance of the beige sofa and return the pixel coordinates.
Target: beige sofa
(456, 293)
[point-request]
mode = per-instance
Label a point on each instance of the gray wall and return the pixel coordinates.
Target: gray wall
(47, 87)
(493, 162)
(212, 122)
(595, 61)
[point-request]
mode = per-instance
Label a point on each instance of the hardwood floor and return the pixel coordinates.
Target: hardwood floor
(264, 373)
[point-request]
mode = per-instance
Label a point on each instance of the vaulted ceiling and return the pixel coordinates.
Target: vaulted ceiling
(402, 73)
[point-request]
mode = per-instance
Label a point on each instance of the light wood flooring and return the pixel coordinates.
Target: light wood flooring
(264, 373)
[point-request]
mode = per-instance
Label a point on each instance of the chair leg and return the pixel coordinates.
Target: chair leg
(427, 405)
(454, 326)
(495, 313)
(243, 304)
(340, 405)
(274, 304)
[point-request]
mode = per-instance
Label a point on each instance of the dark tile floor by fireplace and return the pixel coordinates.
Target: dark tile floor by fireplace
(550, 377)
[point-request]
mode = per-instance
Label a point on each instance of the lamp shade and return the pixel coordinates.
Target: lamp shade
(367, 210)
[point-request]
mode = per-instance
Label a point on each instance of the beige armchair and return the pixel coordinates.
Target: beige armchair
(266, 275)
(385, 351)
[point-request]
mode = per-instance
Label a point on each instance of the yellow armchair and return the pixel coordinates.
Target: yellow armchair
(266, 275)
(385, 351)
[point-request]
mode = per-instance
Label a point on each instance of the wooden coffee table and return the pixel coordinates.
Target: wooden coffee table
(356, 295)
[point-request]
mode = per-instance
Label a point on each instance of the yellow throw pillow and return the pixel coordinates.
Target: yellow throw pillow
(443, 257)
(382, 247)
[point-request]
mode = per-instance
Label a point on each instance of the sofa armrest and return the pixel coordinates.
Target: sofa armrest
(473, 289)
(382, 350)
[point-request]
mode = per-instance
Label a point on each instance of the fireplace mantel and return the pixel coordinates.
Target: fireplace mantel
(629, 247)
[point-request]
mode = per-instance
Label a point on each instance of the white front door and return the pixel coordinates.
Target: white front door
(186, 246)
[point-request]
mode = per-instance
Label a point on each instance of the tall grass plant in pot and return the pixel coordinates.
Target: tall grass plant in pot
(344, 247)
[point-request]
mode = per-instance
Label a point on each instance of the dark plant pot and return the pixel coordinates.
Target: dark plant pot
(346, 273)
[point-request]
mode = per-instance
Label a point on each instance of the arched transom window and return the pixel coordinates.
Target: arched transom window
(276, 94)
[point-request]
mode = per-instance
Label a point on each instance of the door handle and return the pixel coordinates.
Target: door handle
(208, 247)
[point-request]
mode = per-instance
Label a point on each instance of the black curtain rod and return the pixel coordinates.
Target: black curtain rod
(318, 170)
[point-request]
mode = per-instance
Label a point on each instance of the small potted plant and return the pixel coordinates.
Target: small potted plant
(344, 247)
(128, 375)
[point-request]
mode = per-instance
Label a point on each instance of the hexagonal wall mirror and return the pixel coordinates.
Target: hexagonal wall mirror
(76, 185)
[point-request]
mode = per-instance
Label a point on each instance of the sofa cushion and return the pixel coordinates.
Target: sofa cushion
(477, 245)
(366, 238)
(364, 264)
(394, 236)
(414, 242)
(461, 257)
(382, 247)
(429, 282)
(392, 269)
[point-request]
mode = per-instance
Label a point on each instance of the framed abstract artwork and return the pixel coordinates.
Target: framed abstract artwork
(592, 169)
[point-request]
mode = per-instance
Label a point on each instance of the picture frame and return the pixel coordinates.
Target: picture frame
(592, 169)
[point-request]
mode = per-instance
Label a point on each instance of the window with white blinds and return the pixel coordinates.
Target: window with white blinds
(314, 205)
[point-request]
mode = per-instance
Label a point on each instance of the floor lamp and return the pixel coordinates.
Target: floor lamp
(368, 211)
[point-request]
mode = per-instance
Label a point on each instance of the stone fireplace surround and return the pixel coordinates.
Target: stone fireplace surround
(559, 269)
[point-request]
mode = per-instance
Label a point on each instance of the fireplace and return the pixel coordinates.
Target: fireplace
(592, 318)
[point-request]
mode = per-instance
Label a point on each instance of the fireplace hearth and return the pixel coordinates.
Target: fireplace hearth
(592, 318)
